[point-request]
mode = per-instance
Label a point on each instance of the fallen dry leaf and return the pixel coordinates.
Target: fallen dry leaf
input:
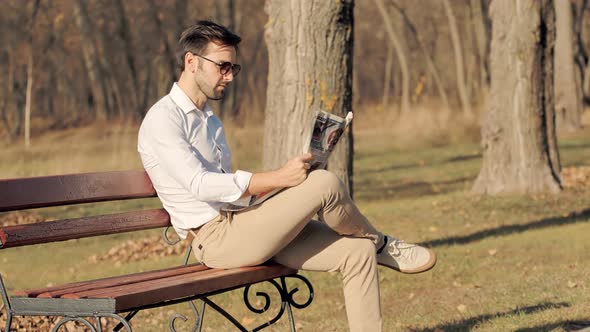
(136, 250)
(462, 308)
(575, 177)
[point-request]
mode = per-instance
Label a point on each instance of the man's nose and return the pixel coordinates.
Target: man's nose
(229, 76)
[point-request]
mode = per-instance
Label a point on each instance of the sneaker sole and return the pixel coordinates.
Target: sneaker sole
(429, 265)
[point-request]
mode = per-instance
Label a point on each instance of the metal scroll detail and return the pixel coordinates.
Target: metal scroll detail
(287, 302)
(89, 325)
(198, 318)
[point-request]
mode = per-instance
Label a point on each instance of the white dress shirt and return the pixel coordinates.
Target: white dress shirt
(185, 153)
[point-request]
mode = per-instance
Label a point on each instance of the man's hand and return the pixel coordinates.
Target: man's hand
(295, 170)
(291, 174)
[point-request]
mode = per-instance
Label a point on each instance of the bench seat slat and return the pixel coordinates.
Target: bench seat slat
(197, 283)
(45, 191)
(109, 292)
(55, 292)
(230, 279)
(53, 231)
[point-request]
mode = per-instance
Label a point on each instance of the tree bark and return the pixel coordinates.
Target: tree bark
(568, 92)
(401, 56)
(520, 152)
(310, 69)
(459, 63)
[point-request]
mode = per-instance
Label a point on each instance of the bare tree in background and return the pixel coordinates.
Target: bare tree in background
(429, 60)
(310, 51)
(226, 14)
(518, 134)
(459, 64)
(29, 93)
(568, 89)
(91, 60)
(394, 39)
(481, 31)
(168, 72)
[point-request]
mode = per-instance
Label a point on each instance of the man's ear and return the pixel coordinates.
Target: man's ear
(190, 62)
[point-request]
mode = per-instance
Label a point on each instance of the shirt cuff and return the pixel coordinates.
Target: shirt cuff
(242, 180)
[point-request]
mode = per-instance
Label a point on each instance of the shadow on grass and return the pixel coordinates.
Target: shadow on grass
(572, 146)
(418, 164)
(572, 218)
(468, 323)
(409, 190)
(567, 325)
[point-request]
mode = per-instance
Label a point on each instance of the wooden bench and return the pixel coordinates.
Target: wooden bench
(126, 294)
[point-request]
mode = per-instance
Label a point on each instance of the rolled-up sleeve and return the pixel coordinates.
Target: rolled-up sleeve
(169, 144)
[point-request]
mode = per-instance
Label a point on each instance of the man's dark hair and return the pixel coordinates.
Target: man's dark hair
(196, 38)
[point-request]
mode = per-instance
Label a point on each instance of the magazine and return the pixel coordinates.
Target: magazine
(326, 130)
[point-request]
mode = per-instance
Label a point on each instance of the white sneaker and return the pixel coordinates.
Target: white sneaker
(405, 257)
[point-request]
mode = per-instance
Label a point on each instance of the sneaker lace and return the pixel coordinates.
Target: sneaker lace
(399, 248)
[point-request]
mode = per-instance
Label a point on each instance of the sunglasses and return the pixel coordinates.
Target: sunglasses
(224, 67)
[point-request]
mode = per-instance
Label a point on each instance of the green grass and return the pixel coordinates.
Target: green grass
(508, 263)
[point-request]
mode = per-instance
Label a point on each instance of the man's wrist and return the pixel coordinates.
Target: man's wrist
(277, 179)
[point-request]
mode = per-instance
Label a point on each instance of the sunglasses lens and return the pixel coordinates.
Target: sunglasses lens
(225, 67)
(236, 69)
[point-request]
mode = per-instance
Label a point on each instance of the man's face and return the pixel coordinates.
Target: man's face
(207, 74)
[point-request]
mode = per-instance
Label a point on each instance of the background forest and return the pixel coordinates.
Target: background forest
(72, 63)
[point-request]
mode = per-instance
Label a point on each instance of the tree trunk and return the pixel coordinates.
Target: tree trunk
(429, 61)
(401, 56)
(568, 93)
(28, 99)
(518, 135)
(29, 92)
(461, 85)
(310, 69)
(225, 13)
(130, 56)
(482, 42)
(169, 57)
(387, 77)
(90, 56)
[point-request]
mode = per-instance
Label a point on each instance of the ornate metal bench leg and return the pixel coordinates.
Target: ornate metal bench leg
(98, 324)
(199, 322)
(77, 319)
(198, 318)
(289, 297)
(126, 320)
(4, 294)
(8, 321)
(123, 322)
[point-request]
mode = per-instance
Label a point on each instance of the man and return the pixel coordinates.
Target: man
(184, 150)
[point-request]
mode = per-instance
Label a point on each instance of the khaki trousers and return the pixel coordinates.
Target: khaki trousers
(282, 229)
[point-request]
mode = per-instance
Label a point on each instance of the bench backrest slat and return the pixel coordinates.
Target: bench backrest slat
(52, 231)
(28, 193)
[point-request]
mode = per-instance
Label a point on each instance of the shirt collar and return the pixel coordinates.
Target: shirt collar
(185, 103)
